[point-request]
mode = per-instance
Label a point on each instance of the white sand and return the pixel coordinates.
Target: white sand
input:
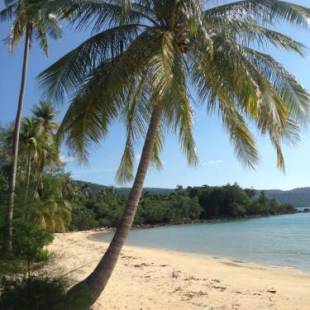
(157, 279)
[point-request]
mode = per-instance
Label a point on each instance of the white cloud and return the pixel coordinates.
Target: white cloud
(65, 159)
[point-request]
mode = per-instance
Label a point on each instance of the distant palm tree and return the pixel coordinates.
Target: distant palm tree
(38, 151)
(32, 145)
(50, 209)
(45, 115)
(143, 67)
(32, 20)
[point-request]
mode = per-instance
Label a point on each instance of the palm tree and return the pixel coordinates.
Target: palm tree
(32, 145)
(144, 66)
(38, 151)
(51, 210)
(45, 115)
(32, 20)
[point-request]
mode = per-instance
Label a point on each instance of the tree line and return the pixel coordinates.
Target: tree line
(104, 208)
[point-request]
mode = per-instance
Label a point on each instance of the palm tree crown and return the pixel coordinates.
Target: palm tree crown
(166, 50)
(33, 17)
(38, 145)
(45, 116)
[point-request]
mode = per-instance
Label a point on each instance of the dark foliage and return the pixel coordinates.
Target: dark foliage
(104, 207)
(29, 241)
(34, 293)
(299, 197)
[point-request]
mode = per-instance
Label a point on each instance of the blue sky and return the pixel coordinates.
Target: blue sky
(219, 164)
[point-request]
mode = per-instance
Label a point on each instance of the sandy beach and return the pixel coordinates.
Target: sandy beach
(157, 279)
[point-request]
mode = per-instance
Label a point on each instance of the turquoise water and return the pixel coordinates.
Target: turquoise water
(279, 240)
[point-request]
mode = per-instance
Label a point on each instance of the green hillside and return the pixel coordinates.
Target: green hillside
(121, 191)
(298, 197)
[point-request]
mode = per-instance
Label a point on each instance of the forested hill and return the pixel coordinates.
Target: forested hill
(122, 191)
(298, 197)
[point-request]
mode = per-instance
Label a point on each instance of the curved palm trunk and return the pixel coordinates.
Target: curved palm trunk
(16, 141)
(85, 293)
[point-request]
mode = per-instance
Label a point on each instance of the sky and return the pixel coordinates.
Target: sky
(218, 163)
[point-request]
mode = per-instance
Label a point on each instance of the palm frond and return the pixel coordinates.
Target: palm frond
(135, 114)
(53, 28)
(8, 12)
(160, 65)
(99, 15)
(294, 94)
(157, 149)
(266, 11)
(41, 37)
(212, 89)
(70, 71)
(101, 98)
(34, 17)
(249, 33)
(178, 111)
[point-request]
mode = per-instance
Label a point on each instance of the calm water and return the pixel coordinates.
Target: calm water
(280, 240)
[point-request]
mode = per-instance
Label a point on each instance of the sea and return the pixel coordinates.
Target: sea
(276, 240)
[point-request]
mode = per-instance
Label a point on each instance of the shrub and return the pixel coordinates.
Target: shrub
(34, 293)
(29, 242)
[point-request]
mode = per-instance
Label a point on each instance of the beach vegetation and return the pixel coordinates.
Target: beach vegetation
(31, 293)
(33, 21)
(42, 193)
(189, 205)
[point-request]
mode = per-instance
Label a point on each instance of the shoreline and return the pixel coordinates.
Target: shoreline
(148, 278)
(224, 259)
(206, 221)
(234, 257)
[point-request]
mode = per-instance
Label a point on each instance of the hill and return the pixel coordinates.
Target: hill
(121, 191)
(298, 197)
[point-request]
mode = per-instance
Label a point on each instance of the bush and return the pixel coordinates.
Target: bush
(29, 242)
(28, 247)
(34, 293)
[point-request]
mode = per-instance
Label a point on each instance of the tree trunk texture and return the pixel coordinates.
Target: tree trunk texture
(85, 293)
(16, 142)
(27, 186)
